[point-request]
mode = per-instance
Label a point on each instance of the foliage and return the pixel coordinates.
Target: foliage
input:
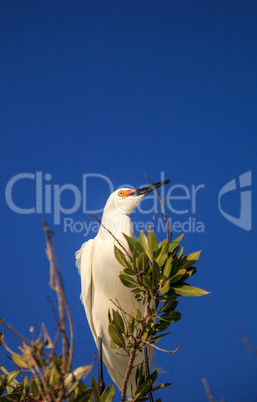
(157, 275)
(45, 375)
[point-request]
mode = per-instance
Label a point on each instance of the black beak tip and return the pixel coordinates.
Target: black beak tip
(146, 190)
(160, 183)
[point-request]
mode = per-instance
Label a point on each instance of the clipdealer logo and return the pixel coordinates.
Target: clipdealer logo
(244, 221)
(49, 198)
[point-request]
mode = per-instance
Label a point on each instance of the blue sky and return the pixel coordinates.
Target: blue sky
(119, 89)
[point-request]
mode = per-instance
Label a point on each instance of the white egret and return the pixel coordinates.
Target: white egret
(100, 282)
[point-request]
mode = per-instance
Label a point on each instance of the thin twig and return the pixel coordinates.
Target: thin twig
(163, 209)
(207, 390)
(163, 350)
(7, 347)
(56, 283)
(120, 244)
(6, 372)
(47, 390)
(121, 309)
(8, 326)
(248, 344)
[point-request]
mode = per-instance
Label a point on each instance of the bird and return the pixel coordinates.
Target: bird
(101, 285)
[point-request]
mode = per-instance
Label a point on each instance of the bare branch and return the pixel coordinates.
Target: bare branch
(207, 390)
(6, 346)
(163, 350)
(56, 283)
(6, 372)
(163, 209)
(127, 375)
(21, 337)
(248, 344)
(35, 367)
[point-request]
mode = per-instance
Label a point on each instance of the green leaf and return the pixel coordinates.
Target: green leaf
(142, 262)
(162, 253)
(108, 394)
(77, 374)
(121, 258)
(181, 252)
(156, 273)
(190, 272)
(175, 242)
(10, 388)
(161, 326)
(54, 375)
(153, 376)
(1, 337)
(133, 244)
(143, 389)
(190, 259)
(19, 361)
(140, 372)
(178, 275)
(95, 390)
(169, 305)
(135, 255)
(166, 287)
(152, 240)
(3, 382)
(172, 316)
(129, 271)
(113, 345)
(175, 263)
(131, 323)
(147, 282)
(116, 337)
(171, 295)
(143, 241)
(118, 321)
(34, 388)
(187, 290)
(167, 268)
(165, 384)
(128, 281)
(25, 383)
(15, 393)
(83, 394)
(158, 337)
(11, 376)
(139, 315)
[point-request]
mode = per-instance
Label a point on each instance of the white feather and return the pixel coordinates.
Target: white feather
(100, 284)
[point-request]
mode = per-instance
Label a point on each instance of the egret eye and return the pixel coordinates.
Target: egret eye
(121, 193)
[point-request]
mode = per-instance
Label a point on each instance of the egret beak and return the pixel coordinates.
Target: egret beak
(148, 189)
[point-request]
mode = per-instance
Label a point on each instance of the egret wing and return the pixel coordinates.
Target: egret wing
(84, 261)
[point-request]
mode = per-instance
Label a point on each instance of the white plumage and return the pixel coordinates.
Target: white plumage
(100, 281)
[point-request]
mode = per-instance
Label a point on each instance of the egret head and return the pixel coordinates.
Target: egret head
(125, 200)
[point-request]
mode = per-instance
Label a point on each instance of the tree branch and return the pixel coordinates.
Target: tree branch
(163, 350)
(163, 209)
